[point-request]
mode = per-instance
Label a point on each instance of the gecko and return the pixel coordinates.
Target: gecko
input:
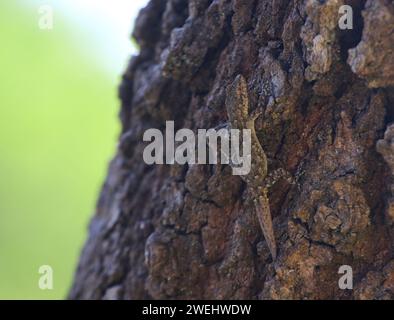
(257, 180)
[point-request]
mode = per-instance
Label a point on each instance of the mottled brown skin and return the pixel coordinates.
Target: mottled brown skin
(237, 104)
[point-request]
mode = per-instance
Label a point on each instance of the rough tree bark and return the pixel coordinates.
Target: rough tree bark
(172, 231)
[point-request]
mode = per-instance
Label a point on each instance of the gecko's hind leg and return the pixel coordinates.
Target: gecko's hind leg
(274, 176)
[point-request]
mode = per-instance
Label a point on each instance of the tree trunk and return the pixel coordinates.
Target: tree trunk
(327, 94)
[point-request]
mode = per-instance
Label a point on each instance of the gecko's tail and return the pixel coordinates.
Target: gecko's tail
(265, 220)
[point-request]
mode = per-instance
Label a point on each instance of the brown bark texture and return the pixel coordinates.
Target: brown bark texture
(327, 95)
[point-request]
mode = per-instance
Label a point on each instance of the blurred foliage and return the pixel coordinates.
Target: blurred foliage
(57, 132)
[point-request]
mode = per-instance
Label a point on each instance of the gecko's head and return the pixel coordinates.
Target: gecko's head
(237, 101)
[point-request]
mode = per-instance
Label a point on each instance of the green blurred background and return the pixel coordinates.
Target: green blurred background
(58, 130)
